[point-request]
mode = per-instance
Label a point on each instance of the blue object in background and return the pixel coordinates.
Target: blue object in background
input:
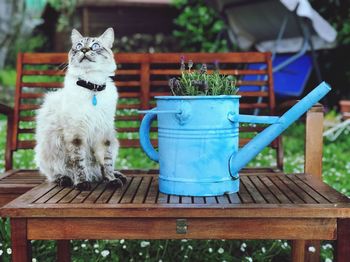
(289, 81)
(198, 140)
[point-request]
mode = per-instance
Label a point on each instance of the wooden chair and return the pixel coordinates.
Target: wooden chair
(270, 204)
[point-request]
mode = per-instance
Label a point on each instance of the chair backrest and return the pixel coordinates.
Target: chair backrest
(139, 78)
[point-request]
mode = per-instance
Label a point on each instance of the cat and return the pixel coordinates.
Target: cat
(75, 134)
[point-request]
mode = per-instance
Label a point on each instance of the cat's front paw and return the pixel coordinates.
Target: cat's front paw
(120, 176)
(83, 186)
(64, 181)
(115, 183)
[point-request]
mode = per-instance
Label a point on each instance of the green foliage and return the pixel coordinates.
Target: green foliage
(30, 44)
(199, 82)
(66, 8)
(198, 27)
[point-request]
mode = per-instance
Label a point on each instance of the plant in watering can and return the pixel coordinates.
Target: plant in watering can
(200, 83)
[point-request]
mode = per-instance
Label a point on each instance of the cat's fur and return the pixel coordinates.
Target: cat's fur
(76, 141)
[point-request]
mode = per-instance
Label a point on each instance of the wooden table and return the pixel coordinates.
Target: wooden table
(268, 206)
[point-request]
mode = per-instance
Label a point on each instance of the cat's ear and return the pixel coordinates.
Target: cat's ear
(107, 38)
(76, 36)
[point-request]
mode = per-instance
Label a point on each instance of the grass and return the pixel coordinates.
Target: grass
(336, 166)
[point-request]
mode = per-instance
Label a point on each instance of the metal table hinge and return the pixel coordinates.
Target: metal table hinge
(181, 226)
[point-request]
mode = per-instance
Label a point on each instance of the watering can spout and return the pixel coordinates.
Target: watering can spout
(239, 159)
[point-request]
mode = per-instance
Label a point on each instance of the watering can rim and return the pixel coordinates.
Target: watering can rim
(197, 97)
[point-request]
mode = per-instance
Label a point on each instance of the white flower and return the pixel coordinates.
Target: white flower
(221, 250)
(122, 241)
(328, 260)
(140, 254)
(34, 260)
(263, 249)
(9, 251)
(83, 245)
(97, 251)
(184, 240)
(185, 256)
(124, 247)
(160, 260)
(312, 249)
(249, 259)
(96, 245)
(326, 246)
(190, 247)
(1, 252)
(105, 253)
(145, 244)
(75, 248)
(243, 246)
(210, 250)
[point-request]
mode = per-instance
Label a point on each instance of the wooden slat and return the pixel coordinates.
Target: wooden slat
(162, 198)
(297, 190)
(49, 195)
(142, 190)
(96, 193)
(45, 58)
(42, 84)
(186, 200)
(258, 198)
(24, 107)
(322, 188)
(105, 196)
(32, 95)
(223, 199)
(84, 194)
(27, 118)
(283, 188)
(69, 197)
(127, 83)
(129, 94)
(131, 191)
(242, 57)
(253, 94)
(244, 195)
(234, 198)
(264, 191)
(128, 106)
(174, 199)
(310, 191)
(152, 192)
(119, 192)
(128, 72)
(60, 195)
(253, 105)
(275, 190)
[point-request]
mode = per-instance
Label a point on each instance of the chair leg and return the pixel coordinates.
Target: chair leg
(343, 240)
(21, 248)
(63, 251)
(298, 250)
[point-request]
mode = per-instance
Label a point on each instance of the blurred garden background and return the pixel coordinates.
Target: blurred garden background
(170, 26)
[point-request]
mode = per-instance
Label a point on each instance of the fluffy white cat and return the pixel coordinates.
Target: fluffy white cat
(76, 140)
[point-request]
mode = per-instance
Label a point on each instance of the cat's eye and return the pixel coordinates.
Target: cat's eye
(79, 46)
(95, 46)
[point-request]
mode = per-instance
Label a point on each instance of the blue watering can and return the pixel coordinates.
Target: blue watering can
(198, 140)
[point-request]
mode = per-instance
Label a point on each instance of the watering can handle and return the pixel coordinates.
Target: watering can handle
(145, 140)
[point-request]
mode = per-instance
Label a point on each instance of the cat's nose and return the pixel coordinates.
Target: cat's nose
(84, 49)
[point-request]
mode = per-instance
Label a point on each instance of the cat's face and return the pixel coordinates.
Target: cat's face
(92, 53)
